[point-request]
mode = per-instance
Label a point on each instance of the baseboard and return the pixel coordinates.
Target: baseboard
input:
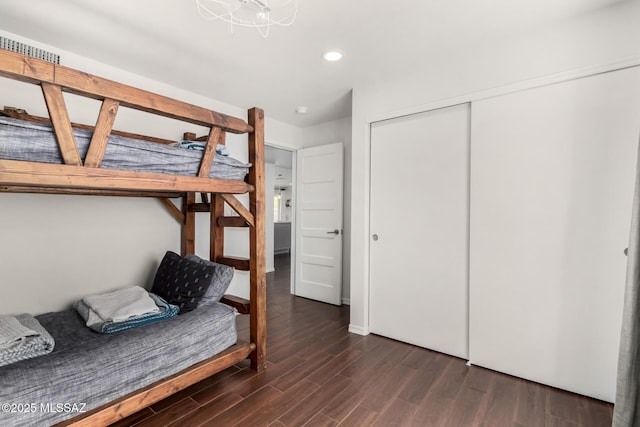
(346, 301)
(358, 330)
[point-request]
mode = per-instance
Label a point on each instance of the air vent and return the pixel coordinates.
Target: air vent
(25, 49)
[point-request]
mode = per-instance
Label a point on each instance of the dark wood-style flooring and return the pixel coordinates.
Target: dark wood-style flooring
(321, 375)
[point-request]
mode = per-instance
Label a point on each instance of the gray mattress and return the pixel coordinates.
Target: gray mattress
(35, 142)
(93, 369)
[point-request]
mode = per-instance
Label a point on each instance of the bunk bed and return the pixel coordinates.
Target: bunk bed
(82, 167)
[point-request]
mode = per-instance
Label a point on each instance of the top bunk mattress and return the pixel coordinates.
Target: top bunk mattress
(91, 369)
(35, 142)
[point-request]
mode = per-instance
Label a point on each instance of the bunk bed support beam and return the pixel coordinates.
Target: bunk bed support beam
(129, 404)
(216, 246)
(172, 209)
(21, 173)
(61, 124)
(188, 226)
(82, 192)
(104, 125)
(209, 151)
(31, 70)
(235, 204)
(258, 284)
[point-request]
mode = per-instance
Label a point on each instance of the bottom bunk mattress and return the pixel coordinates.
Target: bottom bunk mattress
(87, 369)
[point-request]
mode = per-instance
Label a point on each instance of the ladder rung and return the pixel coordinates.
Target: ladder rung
(232, 221)
(199, 207)
(235, 262)
(242, 305)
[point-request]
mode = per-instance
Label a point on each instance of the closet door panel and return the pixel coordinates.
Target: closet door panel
(552, 172)
(419, 216)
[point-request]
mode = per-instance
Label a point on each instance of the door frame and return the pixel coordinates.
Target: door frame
(294, 161)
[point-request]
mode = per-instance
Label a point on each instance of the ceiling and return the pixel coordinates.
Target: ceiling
(168, 41)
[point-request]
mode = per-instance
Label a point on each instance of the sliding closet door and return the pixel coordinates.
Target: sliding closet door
(419, 229)
(552, 173)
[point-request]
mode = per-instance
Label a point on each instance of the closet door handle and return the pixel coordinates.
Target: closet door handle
(626, 251)
(336, 232)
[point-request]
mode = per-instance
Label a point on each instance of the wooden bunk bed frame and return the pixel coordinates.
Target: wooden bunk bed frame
(78, 177)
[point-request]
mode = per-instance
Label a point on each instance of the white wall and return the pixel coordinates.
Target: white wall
(328, 133)
(55, 249)
(596, 39)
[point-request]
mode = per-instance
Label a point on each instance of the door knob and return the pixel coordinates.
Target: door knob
(336, 232)
(375, 237)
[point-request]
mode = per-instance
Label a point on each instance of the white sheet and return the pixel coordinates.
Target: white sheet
(120, 305)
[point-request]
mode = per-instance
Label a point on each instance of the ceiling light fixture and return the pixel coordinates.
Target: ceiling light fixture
(332, 55)
(258, 14)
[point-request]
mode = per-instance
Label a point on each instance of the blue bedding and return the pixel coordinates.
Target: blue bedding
(167, 311)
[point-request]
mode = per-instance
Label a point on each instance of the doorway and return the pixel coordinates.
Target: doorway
(304, 218)
(279, 177)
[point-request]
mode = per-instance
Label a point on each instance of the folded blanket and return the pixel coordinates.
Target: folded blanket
(38, 342)
(13, 332)
(119, 305)
(165, 311)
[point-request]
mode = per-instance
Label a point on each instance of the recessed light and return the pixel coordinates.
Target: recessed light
(332, 55)
(301, 110)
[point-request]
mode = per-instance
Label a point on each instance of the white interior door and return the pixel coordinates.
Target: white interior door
(419, 229)
(318, 253)
(552, 173)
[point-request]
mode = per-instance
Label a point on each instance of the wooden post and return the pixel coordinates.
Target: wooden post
(216, 246)
(258, 281)
(189, 226)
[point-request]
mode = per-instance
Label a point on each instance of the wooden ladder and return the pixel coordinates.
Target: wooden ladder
(252, 218)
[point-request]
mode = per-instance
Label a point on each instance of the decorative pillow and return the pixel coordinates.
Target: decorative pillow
(221, 279)
(182, 282)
